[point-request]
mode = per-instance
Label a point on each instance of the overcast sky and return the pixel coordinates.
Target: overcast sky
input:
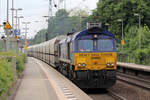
(33, 10)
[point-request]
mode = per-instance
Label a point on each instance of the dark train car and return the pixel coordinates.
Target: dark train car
(89, 58)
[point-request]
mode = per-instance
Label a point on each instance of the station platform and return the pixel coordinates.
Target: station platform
(134, 66)
(42, 82)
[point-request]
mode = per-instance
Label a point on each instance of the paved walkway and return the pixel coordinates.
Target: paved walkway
(42, 82)
(35, 84)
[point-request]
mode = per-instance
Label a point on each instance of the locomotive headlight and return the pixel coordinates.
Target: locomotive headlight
(108, 64)
(83, 65)
(112, 64)
(79, 65)
(95, 36)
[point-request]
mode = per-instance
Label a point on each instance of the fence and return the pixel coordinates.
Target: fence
(10, 44)
(132, 58)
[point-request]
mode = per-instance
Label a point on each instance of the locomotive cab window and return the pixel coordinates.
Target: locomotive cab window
(85, 45)
(105, 45)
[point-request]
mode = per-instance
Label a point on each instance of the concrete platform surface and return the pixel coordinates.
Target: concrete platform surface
(42, 82)
(34, 85)
(134, 66)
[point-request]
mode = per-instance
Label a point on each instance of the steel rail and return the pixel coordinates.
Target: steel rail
(115, 95)
(134, 81)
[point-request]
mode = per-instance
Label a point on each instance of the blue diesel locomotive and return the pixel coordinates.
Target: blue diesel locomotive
(88, 58)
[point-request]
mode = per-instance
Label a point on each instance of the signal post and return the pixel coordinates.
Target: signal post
(7, 28)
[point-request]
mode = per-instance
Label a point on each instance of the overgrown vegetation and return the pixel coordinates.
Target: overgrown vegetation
(7, 75)
(131, 51)
(39, 37)
(20, 63)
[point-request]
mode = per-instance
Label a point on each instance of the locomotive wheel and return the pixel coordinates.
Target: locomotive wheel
(71, 75)
(68, 71)
(74, 75)
(60, 69)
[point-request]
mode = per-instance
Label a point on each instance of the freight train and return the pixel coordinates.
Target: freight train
(88, 58)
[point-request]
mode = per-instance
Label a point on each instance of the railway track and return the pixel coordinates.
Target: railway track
(127, 79)
(133, 80)
(115, 95)
(105, 95)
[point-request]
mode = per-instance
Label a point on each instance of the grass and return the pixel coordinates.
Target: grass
(20, 63)
(7, 76)
(20, 60)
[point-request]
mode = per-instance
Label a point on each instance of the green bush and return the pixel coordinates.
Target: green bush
(20, 63)
(20, 60)
(131, 52)
(6, 75)
(10, 53)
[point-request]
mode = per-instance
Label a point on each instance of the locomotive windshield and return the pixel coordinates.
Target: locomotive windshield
(105, 45)
(85, 45)
(95, 45)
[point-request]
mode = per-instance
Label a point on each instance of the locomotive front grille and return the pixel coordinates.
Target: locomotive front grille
(96, 79)
(95, 61)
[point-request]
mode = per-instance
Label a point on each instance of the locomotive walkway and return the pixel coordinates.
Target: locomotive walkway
(41, 82)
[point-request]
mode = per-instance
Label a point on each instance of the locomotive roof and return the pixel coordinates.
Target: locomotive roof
(93, 30)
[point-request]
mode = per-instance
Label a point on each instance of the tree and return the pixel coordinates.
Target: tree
(39, 37)
(78, 12)
(62, 23)
(109, 11)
